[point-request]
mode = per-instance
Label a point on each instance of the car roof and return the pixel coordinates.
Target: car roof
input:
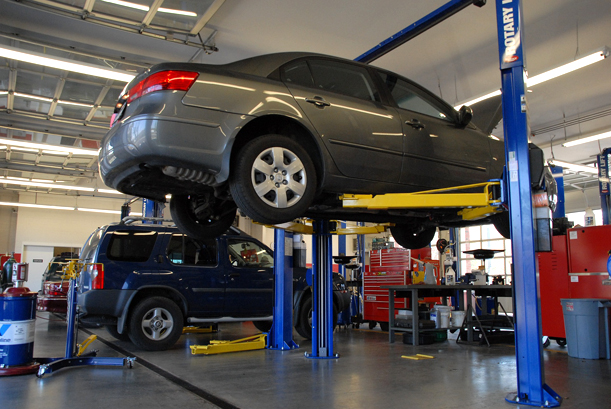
(232, 231)
(264, 65)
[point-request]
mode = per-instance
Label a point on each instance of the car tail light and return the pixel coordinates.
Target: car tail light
(161, 81)
(97, 277)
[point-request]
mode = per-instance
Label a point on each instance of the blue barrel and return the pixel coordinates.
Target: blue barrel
(17, 326)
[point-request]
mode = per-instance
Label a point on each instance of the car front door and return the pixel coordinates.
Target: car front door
(437, 152)
(250, 279)
(199, 275)
(340, 99)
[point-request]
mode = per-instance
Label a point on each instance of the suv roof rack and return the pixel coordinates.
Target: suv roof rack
(132, 219)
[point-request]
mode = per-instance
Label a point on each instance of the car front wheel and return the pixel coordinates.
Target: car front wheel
(273, 180)
(202, 216)
(304, 327)
(155, 324)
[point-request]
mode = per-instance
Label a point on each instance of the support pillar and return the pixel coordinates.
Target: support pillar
(280, 336)
(322, 292)
(532, 389)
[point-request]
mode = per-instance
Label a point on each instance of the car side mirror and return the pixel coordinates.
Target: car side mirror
(465, 114)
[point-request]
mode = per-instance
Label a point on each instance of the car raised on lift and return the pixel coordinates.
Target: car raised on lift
(281, 136)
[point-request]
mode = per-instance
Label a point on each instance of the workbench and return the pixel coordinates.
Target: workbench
(416, 291)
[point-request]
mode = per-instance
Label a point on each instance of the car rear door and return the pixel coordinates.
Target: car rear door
(199, 276)
(250, 278)
(437, 152)
(341, 100)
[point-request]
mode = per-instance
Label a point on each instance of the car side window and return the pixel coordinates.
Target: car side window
(131, 246)
(184, 250)
(344, 78)
(298, 73)
(406, 97)
(246, 253)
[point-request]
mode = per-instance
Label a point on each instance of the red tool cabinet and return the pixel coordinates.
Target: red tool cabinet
(388, 267)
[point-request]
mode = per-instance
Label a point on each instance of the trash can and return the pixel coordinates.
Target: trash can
(586, 321)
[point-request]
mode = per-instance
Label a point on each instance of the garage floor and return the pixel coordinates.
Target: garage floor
(369, 374)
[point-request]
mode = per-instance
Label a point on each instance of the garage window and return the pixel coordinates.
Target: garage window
(131, 246)
(187, 251)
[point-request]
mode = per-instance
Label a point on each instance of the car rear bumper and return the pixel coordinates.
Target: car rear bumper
(183, 137)
(104, 302)
(52, 304)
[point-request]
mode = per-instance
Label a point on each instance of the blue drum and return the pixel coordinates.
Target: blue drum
(17, 322)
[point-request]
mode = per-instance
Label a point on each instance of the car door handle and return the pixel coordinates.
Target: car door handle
(234, 275)
(416, 124)
(318, 101)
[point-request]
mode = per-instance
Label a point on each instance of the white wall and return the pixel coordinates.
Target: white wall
(60, 228)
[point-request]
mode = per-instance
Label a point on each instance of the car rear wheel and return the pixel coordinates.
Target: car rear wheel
(202, 216)
(273, 180)
(155, 324)
(263, 326)
(404, 235)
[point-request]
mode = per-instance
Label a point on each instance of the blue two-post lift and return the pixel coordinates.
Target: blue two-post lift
(531, 386)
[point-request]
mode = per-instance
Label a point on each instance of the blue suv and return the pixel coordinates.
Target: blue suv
(144, 282)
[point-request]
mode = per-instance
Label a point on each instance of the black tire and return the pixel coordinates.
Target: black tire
(372, 324)
(404, 236)
(304, 325)
(263, 326)
(384, 326)
(112, 330)
(202, 216)
(285, 188)
(502, 224)
(561, 342)
(155, 324)
(546, 342)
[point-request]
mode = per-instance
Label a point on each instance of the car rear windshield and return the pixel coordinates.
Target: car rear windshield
(131, 246)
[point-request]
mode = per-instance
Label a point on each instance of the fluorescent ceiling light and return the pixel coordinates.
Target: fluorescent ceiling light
(553, 73)
(147, 8)
(570, 67)
(574, 166)
(17, 204)
(587, 139)
(47, 147)
(82, 209)
(45, 185)
(65, 64)
(111, 191)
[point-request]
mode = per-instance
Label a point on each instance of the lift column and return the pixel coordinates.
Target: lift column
(322, 292)
(281, 335)
(532, 389)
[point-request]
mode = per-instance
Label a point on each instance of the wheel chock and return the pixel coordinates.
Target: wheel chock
(198, 330)
(221, 347)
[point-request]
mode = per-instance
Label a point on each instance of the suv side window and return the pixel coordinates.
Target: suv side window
(407, 97)
(131, 246)
(190, 252)
(245, 253)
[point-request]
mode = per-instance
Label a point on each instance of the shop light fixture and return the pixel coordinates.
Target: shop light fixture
(592, 58)
(82, 209)
(45, 185)
(574, 166)
(147, 8)
(587, 139)
(49, 148)
(65, 64)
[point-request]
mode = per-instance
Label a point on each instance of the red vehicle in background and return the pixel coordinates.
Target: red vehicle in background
(54, 294)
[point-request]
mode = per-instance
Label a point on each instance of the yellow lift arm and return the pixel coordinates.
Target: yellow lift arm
(473, 205)
(221, 347)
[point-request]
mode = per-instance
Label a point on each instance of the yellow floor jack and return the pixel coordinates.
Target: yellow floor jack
(222, 347)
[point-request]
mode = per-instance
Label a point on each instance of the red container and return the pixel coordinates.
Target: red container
(553, 285)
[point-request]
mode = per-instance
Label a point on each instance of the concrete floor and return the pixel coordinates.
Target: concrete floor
(369, 374)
